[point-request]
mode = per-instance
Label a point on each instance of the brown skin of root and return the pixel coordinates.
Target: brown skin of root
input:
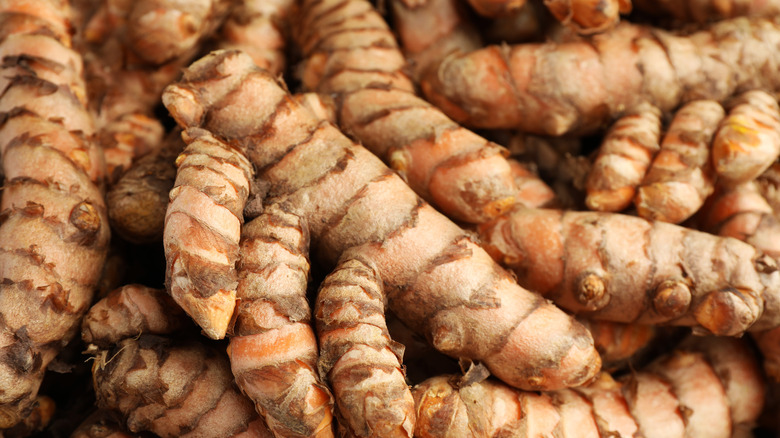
(692, 391)
(202, 229)
(579, 86)
(137, 202)
(192, 383)
(129, 311)
(437, 277)
(362, 363)
(273, 349)
(351, 53)
(259, 28)
(623, 252)
(747, 141)
(623, 158)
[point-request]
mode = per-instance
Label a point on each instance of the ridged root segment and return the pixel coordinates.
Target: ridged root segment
(259, 28)
(172, 388)
(743, 213)
(361, 362)
(646, 272)
(203, 228)
(685, 393)
(351, 53)
(681, 175)
(436, 278)
(273, 352)
(54, 230)
(623, 159)
(129, 311)
(748, 140)
(577, 86)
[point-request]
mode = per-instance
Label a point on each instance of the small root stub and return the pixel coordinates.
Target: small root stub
(672, 299)
(591, 291)
(724, 313)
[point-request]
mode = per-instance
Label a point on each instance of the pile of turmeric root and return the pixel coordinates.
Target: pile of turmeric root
(412, 218)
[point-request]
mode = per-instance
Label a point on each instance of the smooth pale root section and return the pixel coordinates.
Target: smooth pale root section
(577, 416)
(191, 236)
(699, 391)
(264, 365)
(654, 406)
(609, 404)
(748, 141)
(735, 363)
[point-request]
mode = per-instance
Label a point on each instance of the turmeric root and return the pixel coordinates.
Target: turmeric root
(681, 176)
(748, 140)
(617, 341)
(350, 53)
(685, 393)
(53, 224)
(273, 350)
(578, 86)
(625, 269)
(358, 358)
(532, 192)
(623, 159)
(129, 311)
(179, 388)
(742, 213)
(260, 28)
(203, 228)
(137, 202)
(435, 276)
(430, 31)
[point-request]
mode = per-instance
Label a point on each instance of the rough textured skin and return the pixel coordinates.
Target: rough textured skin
(683, 394)
(358, 358)
(626, 269)
(742, 213)
(748, 139)
(578, 86)
(681, 176)
(623, 158)
(273, 349)
(129, 311)
(179, 388)
(132, 50)
(350, 53)
(137, 202)
(203, 228)
(435, 275)
(429, 32)
(260, 28)
(54, 230)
